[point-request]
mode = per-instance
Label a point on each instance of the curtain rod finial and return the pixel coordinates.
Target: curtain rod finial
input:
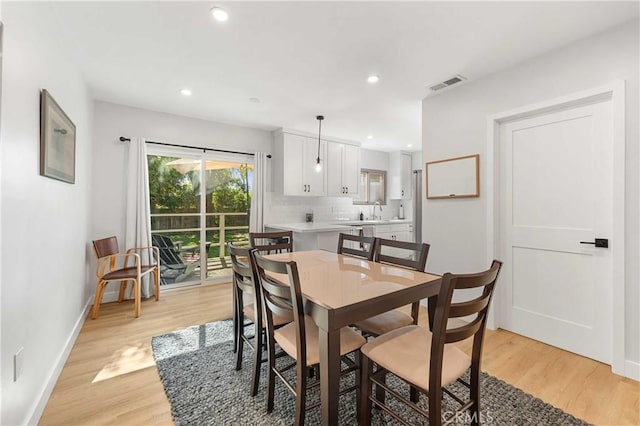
(123, 139)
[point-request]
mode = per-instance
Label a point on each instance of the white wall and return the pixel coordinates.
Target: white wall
(454, 123)
(44, 222)
(110, 155)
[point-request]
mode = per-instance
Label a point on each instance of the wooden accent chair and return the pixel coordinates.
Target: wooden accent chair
(428, 361)
(111, 269)
(416, 259)
(267, 242)
(245, 282)
(366, 246)
(298, 339)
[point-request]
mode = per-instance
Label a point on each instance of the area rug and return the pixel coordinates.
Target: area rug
(196, 366)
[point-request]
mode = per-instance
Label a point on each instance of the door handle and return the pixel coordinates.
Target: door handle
(599, 242)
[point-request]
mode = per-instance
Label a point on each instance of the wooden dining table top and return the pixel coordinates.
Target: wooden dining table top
(336, 281)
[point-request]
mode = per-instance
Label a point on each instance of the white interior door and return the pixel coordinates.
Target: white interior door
(556, 190)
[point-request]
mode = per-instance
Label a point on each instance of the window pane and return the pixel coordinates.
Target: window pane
(174, 192)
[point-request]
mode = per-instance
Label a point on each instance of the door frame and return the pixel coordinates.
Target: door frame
(615, 92)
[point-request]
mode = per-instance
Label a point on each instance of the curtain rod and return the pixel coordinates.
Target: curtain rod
(123, 139)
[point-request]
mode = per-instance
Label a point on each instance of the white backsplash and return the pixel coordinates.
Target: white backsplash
(281, 209)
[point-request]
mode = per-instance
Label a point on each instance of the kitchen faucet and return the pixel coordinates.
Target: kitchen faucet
(377, 203)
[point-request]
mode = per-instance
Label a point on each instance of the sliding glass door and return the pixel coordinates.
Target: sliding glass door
(190, 222)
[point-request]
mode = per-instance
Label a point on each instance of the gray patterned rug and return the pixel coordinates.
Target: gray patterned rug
(196, 366)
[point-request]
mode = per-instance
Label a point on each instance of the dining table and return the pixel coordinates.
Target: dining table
(338, 291)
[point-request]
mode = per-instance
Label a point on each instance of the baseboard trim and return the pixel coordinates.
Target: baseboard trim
(632, 370)
(38, 409)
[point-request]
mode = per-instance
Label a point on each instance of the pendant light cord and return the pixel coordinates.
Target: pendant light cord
(320, 118)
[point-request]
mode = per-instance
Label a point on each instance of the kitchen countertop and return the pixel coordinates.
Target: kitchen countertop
(310, 227)
(373, 222)
(335, 226)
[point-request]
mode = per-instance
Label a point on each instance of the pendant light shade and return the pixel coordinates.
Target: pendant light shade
(318, 165)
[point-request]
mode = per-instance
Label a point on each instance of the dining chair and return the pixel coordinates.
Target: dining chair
(299, 339)
(245, 282)
(364, 246)
(407, 255)
(267, 242)
(427, 360)
(123, 267)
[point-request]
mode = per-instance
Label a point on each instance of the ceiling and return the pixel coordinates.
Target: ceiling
(301, 59)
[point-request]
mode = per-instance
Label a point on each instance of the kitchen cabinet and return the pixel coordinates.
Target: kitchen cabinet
(293, 165)
(343, 169)
(398, 232)
(400, 176)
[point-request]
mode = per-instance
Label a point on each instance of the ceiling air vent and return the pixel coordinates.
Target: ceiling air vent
(448, 82)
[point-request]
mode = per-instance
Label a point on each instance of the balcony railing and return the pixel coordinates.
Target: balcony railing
(185, 233)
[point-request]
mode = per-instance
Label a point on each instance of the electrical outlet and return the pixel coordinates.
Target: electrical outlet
(18, 364)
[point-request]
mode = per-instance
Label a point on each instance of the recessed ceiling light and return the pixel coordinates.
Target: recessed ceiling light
(254, 100)
(409, 146)
(185, 92)
(370, 137)
(219, 14)
(373, 78)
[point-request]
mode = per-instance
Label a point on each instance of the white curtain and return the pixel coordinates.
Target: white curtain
(259, 188)
(138, 218)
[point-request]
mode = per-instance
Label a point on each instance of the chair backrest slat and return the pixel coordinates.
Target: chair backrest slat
(463, 309)
(106, 247)
(272, 242)
(416, 254)
(463, 332)
(366, 246)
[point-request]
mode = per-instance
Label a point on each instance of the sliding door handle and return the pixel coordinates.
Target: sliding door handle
(599, 242)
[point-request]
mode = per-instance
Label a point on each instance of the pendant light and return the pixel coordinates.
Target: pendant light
(318, 165)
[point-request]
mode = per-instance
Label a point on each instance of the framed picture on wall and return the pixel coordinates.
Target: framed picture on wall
(454, 177)
(57, 141)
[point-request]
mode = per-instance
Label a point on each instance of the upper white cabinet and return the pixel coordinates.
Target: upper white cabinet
(293, 166)
(399, 176)
(343, 169)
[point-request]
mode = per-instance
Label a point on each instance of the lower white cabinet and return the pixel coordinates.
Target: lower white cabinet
(399, 232)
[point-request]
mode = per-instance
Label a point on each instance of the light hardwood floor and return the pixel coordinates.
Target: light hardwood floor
(110, 376)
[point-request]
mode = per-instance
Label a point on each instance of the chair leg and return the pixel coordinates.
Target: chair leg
(137, 295)
(380, 392)
(98, 300)
(271, 376)
(156, 277)
(435, 407)
(358, 380)
(414, 395)
(123, 287)
(236, 321)
(301, 392)
(365, 391)
(474, 393)
(257, 360)
(240, 339)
